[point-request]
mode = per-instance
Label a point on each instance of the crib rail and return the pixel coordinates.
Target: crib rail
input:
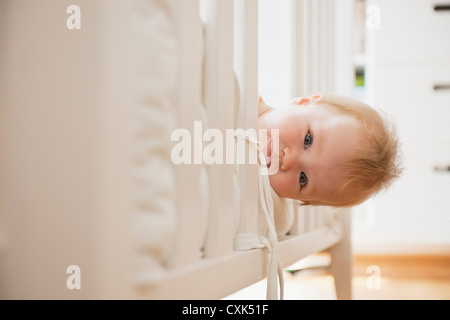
(242, 268)
(217, 201)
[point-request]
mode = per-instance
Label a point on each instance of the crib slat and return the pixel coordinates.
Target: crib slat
(330, 52)
(298, 53)
(299, 225)
(322, 41)
(191, 211)
(246, 67)
(312, 218)
(314, 44)
(313, 47)
(303, 45)
(219, 99)
(320, 216)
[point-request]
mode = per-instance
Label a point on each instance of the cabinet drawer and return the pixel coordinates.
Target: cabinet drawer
(411, 30)
(417, 97)
(422, 115)
(422, 194)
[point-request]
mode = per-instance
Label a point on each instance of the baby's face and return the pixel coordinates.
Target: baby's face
(314, 143)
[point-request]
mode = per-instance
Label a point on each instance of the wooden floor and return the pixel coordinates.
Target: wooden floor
(374, 277)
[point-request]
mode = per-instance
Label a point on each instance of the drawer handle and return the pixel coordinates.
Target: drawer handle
(438, 87)
(441, 168)
(442, 7)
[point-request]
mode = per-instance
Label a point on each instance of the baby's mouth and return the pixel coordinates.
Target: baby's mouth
(269, 153)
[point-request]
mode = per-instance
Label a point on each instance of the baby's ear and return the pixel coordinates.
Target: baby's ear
(305, 100)
(262, 106)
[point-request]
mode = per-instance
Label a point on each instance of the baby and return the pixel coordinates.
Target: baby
(332, 150)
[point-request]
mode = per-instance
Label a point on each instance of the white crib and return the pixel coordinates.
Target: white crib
(87, 176)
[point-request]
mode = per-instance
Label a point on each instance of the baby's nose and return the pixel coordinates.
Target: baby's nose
(289, 158)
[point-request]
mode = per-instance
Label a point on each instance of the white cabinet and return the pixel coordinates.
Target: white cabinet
(409, 78)
(412, 30)
(407, 92)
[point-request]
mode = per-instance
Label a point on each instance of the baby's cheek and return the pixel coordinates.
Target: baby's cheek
(281, 185)
(262, 124)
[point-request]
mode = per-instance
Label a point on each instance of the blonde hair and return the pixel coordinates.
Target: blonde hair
(377, 165)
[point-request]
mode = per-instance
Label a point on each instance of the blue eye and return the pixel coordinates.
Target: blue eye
(303, 179)
(308, 140)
